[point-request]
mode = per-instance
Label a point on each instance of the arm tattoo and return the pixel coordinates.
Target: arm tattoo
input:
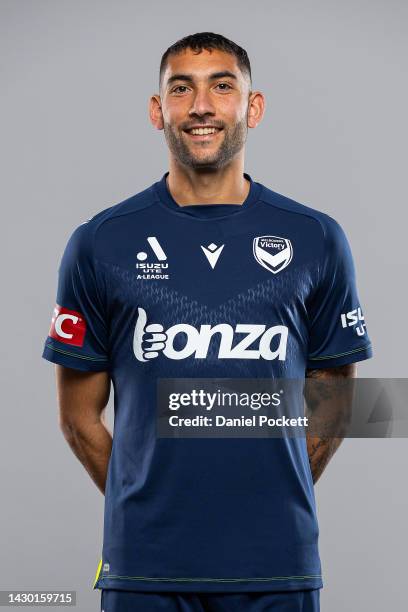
(328, 404)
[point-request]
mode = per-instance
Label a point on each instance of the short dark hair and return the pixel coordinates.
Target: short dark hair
(207, 40)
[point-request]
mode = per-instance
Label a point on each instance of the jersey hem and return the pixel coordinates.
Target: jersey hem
(72, 360)
(332, 361)
(210, 585)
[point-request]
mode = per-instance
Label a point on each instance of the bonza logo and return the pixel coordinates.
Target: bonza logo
(352, 318)
(152, 270)
(152, 339)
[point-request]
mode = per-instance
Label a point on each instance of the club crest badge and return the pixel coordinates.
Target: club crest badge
(272, 252)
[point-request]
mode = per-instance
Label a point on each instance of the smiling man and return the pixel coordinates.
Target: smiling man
(206, 273)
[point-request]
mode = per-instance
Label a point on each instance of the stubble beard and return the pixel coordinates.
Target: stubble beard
(232, 142)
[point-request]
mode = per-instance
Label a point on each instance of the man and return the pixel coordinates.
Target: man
(209, 274)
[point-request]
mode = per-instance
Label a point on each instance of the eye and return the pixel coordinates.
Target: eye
(178, 87)
(223, 85)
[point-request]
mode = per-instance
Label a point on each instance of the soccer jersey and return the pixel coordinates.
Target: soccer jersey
(150, 290)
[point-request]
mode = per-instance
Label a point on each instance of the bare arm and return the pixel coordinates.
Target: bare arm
(82, 398)
(328, 402)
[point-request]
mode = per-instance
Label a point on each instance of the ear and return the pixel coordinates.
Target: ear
(155, 112)
(256, 108)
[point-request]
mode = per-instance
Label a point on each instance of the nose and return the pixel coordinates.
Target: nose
(202, 103)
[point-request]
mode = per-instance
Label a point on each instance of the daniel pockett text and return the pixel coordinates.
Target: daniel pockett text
(228, 407)
(332, 407)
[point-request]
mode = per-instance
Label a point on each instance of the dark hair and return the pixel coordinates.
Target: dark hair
(207, 40)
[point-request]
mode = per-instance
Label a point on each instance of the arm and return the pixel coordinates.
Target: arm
(82, 398)
(328, 403)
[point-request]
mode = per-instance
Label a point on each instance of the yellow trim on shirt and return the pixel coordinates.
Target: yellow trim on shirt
(98, 571)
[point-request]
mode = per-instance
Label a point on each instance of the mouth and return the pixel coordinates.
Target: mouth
(203, 134)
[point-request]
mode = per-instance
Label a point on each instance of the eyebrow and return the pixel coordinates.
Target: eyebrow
(189, 77)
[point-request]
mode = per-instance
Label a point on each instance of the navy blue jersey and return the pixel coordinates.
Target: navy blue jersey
(148, 290)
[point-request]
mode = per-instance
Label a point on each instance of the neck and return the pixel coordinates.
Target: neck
(225, 186)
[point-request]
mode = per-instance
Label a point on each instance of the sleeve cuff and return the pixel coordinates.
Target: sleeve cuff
(333, 361)
(72, 360)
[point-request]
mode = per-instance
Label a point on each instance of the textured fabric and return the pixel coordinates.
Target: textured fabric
(149, 290)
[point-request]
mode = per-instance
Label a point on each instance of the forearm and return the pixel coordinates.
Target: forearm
(329, 399)
(92, 445)
(320, 451)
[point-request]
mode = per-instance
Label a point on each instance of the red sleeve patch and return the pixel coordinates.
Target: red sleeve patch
(68, 326)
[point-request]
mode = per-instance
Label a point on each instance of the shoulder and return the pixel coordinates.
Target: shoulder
(84, 235)
(129, 206)
(329, 228)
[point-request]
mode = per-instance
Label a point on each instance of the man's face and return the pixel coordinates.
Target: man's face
(204, 89)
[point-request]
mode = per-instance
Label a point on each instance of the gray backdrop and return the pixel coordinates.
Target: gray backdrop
(75, 138)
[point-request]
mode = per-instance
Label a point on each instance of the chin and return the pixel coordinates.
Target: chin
(205, 164)
(213, 160)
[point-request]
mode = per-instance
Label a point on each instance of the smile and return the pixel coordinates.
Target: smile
(203, 133)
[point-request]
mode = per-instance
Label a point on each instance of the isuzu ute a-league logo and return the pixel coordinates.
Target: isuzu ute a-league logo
(355, 319)
(254, 341)
(155, 270)
(272, 252)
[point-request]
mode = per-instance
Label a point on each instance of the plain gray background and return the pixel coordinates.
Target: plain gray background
(75, 138)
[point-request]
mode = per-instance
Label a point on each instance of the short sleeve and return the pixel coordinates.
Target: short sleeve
(78, 336)
(338, 331)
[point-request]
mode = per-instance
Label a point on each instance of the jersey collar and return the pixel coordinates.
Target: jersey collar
(207, 210)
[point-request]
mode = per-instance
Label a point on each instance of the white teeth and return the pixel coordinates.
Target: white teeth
(202, 131)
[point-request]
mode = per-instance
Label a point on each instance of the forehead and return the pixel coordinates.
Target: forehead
(201, 65)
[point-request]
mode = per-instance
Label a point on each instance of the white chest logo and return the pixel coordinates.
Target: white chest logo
(272, 252)
(151, 339)
(152, 270)
(212, 253)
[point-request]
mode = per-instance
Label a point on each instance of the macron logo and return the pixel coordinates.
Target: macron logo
(212, 253)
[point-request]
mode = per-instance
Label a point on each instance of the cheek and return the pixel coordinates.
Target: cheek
(174, 113)
(232, 111)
